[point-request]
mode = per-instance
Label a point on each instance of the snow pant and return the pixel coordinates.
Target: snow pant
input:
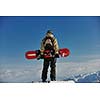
(52, 63)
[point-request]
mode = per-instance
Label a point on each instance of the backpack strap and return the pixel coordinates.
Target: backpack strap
(52, 40)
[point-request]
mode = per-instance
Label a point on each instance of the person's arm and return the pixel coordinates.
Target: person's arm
(56, 47)
(42, 47)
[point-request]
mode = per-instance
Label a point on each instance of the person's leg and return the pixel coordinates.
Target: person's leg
(53, 69)
(45, 70)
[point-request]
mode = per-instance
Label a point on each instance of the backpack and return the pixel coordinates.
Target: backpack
(48, 43)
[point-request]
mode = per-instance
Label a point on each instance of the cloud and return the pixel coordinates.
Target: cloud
(32, 72)
(19, 75)
(72, 68)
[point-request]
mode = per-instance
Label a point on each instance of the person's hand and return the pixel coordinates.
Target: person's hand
(56, 55)
(40, 57)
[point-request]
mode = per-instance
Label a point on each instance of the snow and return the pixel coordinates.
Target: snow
(93, 77)
(70, 81)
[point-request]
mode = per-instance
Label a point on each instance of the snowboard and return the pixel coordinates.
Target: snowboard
(63, 52)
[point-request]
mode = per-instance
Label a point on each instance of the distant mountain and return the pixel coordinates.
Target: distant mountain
(86, 78)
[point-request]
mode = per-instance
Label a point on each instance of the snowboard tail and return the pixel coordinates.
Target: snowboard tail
(63, 52)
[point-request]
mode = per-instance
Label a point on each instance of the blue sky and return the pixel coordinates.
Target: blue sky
(20, 34)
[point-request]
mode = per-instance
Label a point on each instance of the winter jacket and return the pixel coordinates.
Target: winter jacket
(54, 42)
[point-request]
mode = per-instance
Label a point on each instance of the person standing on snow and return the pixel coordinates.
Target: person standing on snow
(49, 42)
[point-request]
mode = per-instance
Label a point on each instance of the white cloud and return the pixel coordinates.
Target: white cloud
(20, 75)
(31, 71)
(71, 68)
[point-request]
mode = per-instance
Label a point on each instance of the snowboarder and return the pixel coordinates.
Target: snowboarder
(49, 42)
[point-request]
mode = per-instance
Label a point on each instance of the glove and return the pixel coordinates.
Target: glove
(56, 55)
(40, 57)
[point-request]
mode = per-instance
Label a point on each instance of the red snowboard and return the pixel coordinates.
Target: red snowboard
(64, 52)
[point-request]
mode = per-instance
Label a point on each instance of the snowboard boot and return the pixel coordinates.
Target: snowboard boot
(53, 79)
(44, 81)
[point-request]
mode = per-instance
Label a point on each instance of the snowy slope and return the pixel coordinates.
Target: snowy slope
(69, 81)
(86, 78)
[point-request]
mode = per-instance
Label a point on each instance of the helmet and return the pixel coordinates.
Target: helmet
(49, 33)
